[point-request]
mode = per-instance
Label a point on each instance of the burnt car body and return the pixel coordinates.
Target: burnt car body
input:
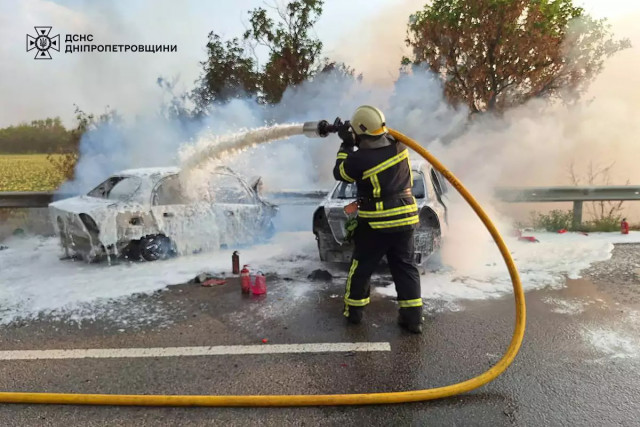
(145, 214)
(429, 189)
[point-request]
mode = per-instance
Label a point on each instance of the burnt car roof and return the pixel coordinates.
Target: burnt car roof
(144, 172)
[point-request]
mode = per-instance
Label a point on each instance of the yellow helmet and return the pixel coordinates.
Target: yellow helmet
(368, 120)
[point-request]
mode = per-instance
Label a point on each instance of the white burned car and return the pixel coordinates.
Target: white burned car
(145, 214)
(429, 189)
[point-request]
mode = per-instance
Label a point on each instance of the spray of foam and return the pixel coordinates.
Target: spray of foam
(199, 161)
(212, 147)
(530, 145)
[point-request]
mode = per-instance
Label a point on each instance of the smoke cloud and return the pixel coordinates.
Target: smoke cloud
(534, 144)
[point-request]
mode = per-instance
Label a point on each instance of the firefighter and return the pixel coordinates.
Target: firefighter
(387, 214)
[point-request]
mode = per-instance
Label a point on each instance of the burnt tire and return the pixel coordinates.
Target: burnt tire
(154, 248)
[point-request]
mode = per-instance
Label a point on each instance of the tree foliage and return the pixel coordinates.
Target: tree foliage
(293, 56)
(66, 162)
(39, 136)
(493, 54)
(228, 73)
(293, 50)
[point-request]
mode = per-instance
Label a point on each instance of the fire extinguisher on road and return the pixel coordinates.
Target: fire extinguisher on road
(245, 280)
(624, 226)
(259, 285)
(235, 263)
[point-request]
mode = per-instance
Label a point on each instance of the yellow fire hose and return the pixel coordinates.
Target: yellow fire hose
(326, 399)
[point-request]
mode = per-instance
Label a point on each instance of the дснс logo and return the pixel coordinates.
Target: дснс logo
(42, 42)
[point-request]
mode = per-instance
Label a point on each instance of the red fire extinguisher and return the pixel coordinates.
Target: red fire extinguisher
(624, 226)
(235, 263)
(245, 280)
(259, 285)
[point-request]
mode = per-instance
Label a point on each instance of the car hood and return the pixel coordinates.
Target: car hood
(103, 212)
(82, 204)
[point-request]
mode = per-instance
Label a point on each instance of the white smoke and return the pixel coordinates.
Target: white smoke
(530, 145)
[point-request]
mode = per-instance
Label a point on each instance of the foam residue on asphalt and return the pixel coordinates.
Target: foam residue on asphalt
(544, 264)
(564, 306)
(614, 344)
(35, 282)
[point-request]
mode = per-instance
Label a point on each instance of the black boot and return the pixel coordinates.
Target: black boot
(355, 315)
(415, 328)
(411, 319)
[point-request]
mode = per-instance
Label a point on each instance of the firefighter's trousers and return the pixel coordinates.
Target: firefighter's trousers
(370, 247)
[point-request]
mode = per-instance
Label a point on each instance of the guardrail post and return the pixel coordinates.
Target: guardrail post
(577, 213)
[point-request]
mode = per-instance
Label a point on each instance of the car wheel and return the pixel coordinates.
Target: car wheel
(153, 248)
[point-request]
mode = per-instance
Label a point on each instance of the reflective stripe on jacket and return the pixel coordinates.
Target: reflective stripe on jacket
(384, 180)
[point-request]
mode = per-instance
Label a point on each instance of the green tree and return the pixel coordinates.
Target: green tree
(66, 160)
(493, 54)
(227, 73)
(293, 52)
(38, 136)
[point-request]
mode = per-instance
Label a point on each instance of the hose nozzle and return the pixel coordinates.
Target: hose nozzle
(319, 129)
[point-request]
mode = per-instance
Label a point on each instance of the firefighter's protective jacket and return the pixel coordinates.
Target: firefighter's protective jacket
(382, 173)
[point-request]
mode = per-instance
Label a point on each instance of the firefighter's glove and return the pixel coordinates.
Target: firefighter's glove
(350, 229)
(345, 133)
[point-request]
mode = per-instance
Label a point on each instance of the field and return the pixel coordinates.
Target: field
(28, 172)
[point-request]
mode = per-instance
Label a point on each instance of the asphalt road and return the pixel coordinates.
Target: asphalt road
(558, 378)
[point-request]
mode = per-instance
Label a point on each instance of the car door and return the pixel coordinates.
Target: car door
(441, 189)
(237, 207)
(179, 218)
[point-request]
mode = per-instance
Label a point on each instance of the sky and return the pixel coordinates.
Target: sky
(127, 82)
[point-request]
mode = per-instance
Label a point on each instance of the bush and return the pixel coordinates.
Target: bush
(557, 220)
(603, 224)
(553, 221)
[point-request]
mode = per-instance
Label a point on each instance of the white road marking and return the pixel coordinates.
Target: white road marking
(108, 353)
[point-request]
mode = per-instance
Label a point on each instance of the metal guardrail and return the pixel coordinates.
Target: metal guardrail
(293, 194)
(577, 195)
(41, 199)
(26, 199)
(568, 194)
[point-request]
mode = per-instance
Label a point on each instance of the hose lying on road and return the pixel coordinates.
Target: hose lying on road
(327, 399)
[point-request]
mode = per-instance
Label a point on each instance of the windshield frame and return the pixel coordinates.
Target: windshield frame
(118, 179)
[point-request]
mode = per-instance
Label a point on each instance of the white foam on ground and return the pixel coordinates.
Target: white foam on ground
(563, 306)
(34, 281)
(543, 264)
(612, 343)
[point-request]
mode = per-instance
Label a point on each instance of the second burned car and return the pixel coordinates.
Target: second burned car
(429, 190)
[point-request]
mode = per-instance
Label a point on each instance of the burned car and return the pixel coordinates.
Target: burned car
(429, 190)
(145, 214)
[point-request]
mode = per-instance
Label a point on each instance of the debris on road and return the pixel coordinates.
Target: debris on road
(320, 275)
(518, 234)
(211, 282)
(207, 280)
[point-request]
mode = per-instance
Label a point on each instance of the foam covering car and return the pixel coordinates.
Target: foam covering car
(145, 214)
